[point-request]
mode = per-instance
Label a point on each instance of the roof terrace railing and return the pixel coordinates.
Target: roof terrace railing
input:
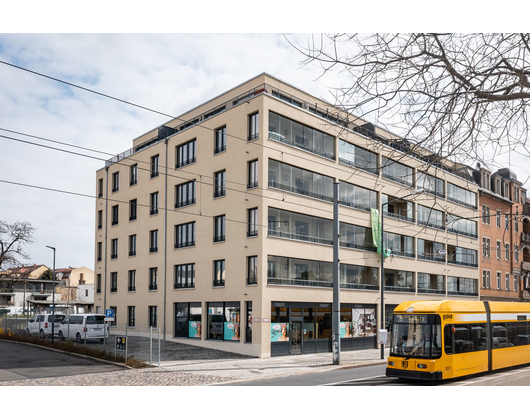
(366, 130)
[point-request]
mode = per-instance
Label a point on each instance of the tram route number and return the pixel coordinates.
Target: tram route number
(121, 343)
(447, 317)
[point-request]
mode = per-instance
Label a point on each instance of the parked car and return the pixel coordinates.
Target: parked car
(41, 325)
(84, 326)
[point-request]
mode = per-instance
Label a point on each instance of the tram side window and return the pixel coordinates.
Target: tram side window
(517, 333)
(500, 336)
(464, 338)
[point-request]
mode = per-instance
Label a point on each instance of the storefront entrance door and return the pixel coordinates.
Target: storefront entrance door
(296, 337)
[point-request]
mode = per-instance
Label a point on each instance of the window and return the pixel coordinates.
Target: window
(188, 320)
(131, 286)
(252, 222)
(132, 245)
(516, 227)
(153, 278)
(133, 208)
(486, 247)
(397, 172)
(299, 272)
(430, 217)
(252, 174)
(185, 235)
(507, 251)
(131, 318)
(430, 250)
(100, 187)
(358, 197)
(461, 256)
(219, 273)
(219, 184)
(298, 135)
(185, 194)
(86, 292)
(154, 166)
(186, 154)
(506, 222)
(253, 126)
(352, 155)
(98, 283)
(153, 240)
(114, 215)
(184, 276)
(115, 181)
(219, 228)
(516, 194)
(399, 245)
(133, 175)
(398, 209)
(300, 181)
(154, 203)
(98, 251)
(461, 196)
(515, 283)
(498, 218)
(499, 281)
(431, 184)
(220, 140)
(113, 282)
(507, 281)
(100, 219)
(152, 317)
(248, 323)
(399, 280)
(115, 309)
(252, 270)
(498, 249)
(462, 286)
(486, 279)
(223, 321)
(516, 253)
(359, 277)
(462, 226)
(486, 215)
(114, 249)
(430, 283)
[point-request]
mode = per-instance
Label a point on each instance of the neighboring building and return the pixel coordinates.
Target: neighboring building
(502, 231)
(24, 287)
(74, 284)
(231, 246)
(25, 284)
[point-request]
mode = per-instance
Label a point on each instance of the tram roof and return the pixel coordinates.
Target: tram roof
(460, 306)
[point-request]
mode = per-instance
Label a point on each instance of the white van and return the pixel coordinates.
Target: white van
(41, 325)
(84, 327)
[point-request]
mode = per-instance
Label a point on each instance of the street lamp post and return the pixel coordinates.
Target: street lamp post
(382, 275)
(53, 293)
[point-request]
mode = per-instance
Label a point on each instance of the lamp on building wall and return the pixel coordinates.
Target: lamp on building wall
(382, 275)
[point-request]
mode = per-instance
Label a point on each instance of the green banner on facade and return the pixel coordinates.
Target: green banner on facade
(376, 230)
(376, 233)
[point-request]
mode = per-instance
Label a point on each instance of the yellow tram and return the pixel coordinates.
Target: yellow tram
(435, 340)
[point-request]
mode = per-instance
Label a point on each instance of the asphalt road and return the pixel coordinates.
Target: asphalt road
(21, 361)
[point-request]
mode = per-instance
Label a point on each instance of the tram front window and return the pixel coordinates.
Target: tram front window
(416, 336)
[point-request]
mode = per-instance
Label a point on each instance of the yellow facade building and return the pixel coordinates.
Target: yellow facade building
(217, 226)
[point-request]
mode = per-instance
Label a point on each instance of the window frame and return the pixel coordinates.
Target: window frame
(155, 161)
(219, 273)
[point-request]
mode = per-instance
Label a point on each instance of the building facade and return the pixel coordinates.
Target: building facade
(504, 229)
(217, 226)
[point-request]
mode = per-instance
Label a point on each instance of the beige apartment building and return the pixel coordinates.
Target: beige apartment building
(217, 226)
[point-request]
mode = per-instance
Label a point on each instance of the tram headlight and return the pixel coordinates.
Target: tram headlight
(390, 363)
(422, 366)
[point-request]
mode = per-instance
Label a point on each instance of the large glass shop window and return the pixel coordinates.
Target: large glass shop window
(279, 324)
(224, 321)
(358, 322)
(188, 320)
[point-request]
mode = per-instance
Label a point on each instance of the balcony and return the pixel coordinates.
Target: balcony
(526, 266)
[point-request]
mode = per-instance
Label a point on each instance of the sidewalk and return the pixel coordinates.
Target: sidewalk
(213, 372)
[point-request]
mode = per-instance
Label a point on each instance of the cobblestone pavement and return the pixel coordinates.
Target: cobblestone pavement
(211, 372)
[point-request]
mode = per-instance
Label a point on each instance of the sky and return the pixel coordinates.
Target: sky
(169, 73)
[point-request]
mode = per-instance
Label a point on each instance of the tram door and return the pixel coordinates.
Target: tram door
(296, 337)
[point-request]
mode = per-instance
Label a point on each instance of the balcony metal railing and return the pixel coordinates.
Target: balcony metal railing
(400, 289)
(434, 258)
(347, 162)
(299, 282)
(280, 138)
(113, 290)
(186, 162)
(359, 286)
(219, 149)
(219, 238)
(218, 283)
(431, 291)
(184, 244)
(295, 236)
(132, 288)
(153, 287)
(400, 217)
(458, 293)
(398, 179)
(253, 184)
(184, 203)
(299, 191)
(185, 285)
